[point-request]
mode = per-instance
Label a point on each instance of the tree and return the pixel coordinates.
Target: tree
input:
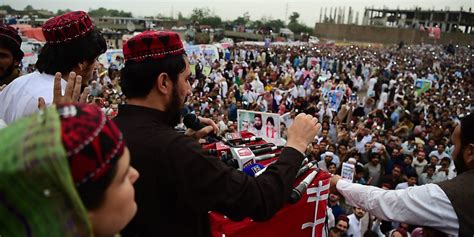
(257, 24)
(106, 12)
(274, 25)
(213, 21)
(29, 8)
(242, 20)
(181, 17)
(297, 27)
(199, 13)
(61, 12)
(294, 17)
(7, 8)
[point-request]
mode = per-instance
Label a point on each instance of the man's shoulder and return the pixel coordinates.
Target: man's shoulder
(22, 80)
(351, 217)
(33, 81)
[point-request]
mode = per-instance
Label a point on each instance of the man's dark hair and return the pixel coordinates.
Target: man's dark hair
(447, 159)
(13, 47)
(412, 175)
(343, 218)
(92, 193)
(467, 125)
(137, 79)
(270, 119)
(63, 57)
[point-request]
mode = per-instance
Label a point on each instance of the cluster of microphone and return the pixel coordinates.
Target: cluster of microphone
(236, 153)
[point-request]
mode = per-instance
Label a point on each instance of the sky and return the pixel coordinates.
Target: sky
(309, 10)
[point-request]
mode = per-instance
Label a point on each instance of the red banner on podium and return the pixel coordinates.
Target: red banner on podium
(305, 218)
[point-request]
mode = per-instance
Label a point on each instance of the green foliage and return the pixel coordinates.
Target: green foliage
(200, 13)
(181, 17)
(297, 28)
(294, 17)
(242, 20)
(60, 12)
(213, 21)
(7, 8)
(29, 8)
(204, 17)
(274, 25)
(108, 12)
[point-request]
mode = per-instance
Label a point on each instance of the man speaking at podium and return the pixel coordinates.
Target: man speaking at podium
(179, 182)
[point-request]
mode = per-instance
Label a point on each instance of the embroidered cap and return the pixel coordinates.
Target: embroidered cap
(93, 143)
(67, 27)
(154, 45)
(11, 34)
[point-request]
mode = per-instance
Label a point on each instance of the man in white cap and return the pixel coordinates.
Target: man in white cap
(326, 159)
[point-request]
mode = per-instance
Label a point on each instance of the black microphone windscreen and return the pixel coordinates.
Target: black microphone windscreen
(192, 121)
(295, 196)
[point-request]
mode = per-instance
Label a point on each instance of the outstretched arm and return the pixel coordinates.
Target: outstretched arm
(425, 205)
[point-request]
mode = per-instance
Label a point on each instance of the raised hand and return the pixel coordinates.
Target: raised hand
(302, 131)
(72, 93)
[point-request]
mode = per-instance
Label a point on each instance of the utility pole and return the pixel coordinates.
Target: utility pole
(286, 12)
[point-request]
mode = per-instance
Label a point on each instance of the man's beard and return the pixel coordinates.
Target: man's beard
(8, 71)
(459, 163)
(258, 126)
(173, 110)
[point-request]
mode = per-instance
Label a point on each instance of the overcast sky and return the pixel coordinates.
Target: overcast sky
(309, 10)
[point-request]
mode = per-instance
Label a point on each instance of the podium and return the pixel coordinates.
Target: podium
(305, 218)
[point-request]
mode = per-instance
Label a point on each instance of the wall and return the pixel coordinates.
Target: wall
(385, 35)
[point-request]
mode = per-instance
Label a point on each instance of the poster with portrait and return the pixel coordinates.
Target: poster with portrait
(264, 125)
(110, 57)
(287, 119)
(334, 99)
(422, 86)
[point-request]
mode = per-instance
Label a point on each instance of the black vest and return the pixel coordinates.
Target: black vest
(460, 192)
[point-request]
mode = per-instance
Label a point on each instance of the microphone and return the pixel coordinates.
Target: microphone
(266, 149)
(263, 170)
(229, 160)
(305, 168)
(212, 152)
(192, 121)
(251, 139)
(243, 156)
(254, 147)
(266, 157)
(297, 192)
(253, 169)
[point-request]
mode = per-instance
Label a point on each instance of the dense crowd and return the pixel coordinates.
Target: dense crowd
(396, 134)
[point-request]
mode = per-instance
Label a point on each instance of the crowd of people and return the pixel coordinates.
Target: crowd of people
(398, 134)
(394, 129)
